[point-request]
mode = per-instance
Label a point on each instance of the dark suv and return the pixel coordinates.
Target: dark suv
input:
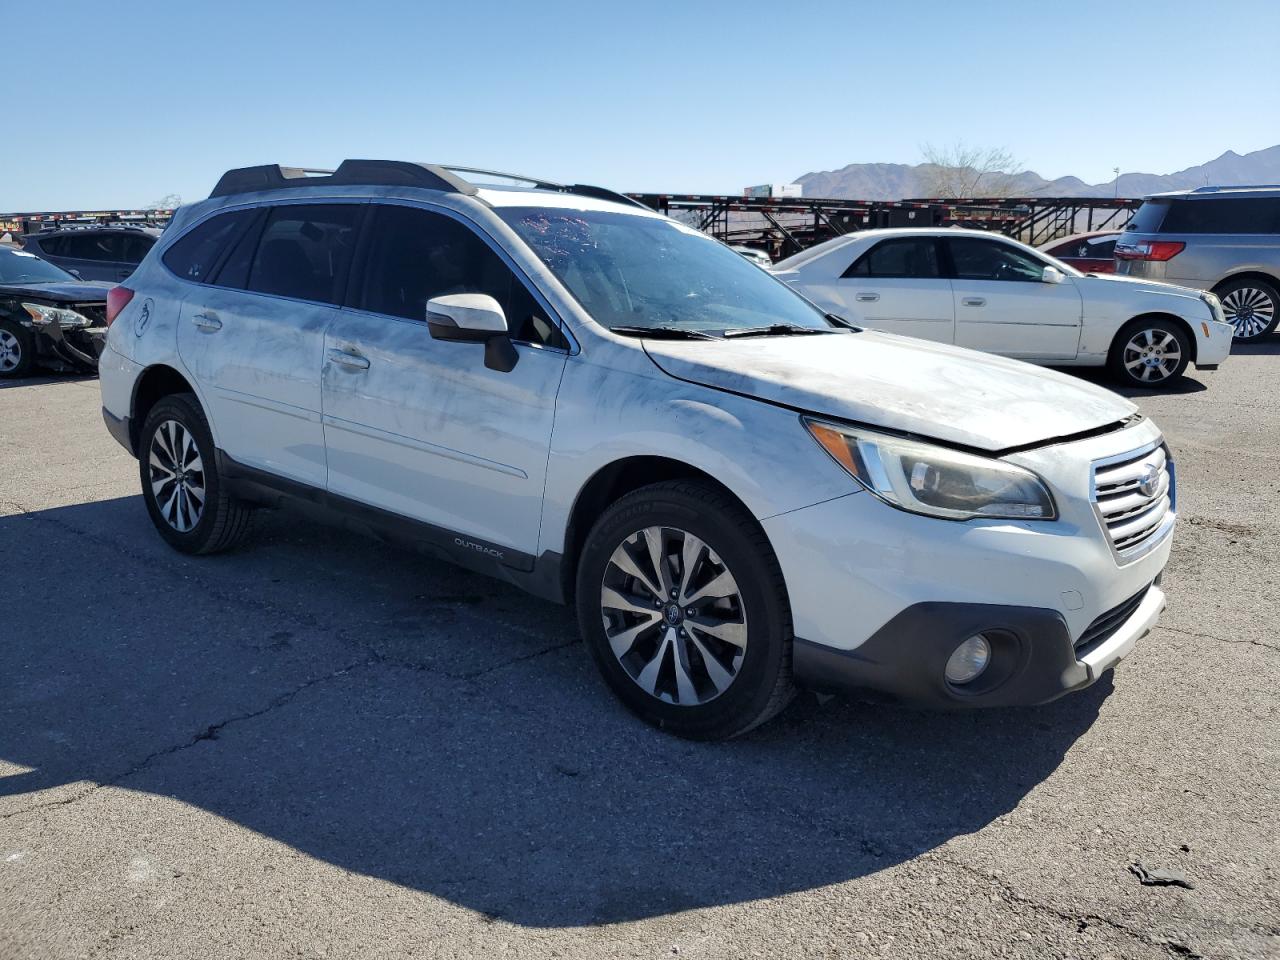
(94, 253)
(1224, 239)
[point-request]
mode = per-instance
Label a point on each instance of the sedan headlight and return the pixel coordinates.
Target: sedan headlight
(935, 481)
(45, 315)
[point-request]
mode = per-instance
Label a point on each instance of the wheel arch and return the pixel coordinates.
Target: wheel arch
(610, 483)
(155, 383)
(1248, 273)
(1181, 322)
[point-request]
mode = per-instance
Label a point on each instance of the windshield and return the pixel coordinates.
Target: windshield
(636, 271)
(18, 266)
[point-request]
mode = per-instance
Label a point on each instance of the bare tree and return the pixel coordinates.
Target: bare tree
(962, 171)
(170, 201)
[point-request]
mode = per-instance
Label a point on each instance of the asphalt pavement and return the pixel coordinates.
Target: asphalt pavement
(322, 746)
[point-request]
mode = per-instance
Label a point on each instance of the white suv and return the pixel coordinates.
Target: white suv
(554, 386)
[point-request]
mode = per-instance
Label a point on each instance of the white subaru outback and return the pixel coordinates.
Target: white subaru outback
(555, 386)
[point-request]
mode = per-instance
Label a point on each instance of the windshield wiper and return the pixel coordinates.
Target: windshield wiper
(775, 330)
(664, 333)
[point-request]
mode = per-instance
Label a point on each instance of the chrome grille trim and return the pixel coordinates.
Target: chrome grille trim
(1135, 521)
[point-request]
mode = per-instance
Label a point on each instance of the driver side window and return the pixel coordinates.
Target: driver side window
(974, 259)
(414, 255)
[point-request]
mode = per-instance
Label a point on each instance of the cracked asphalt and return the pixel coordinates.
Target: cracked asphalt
(322, 746)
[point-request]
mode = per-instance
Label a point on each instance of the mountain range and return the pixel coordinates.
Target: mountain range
(897, 181)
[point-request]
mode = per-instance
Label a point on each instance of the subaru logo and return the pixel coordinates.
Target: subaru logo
(1150, 481)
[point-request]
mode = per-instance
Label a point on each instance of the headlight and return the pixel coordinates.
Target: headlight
(933, 480)
(1215, 306)
(44, 315)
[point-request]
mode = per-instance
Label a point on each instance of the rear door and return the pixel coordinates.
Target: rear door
(899, 286)
(254, 338)
(94, 254)
(422, 427)
(1003, 305)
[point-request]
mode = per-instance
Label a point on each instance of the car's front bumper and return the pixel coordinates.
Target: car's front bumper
(880, 598)
(76, 348)
(1213, 343)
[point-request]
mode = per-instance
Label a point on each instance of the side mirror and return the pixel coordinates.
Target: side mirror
(1053, 275)
(76, 274)
(474, 318)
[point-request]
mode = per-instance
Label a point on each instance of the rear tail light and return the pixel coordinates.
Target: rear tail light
(117, 299)
(1149, 250)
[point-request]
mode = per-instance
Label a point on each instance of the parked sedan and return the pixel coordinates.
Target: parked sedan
(1087, 252)
(47, 316)
(94, 253)
(988, 292)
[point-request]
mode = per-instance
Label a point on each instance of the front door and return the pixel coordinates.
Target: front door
(421, 427)
(1003, 305)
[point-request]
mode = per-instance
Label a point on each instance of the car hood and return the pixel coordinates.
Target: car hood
(1110, 285)
(913, 386)
(69, 291)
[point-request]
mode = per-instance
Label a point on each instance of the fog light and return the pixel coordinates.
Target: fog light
(968, 660)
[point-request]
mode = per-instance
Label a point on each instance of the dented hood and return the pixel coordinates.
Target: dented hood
(914, 386)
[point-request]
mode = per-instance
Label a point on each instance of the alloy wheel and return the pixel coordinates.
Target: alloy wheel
(10, 352)
(1249, 310)
(177, 476)
(1152, 356)
(674, 616)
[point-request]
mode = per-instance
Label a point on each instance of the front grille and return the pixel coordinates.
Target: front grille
(1133, 495)
(97, 312)
(1106, 625)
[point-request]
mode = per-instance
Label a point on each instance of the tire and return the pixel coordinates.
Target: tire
(212, 520)
(710, 676)
(17, 350)
(1252, 307)
(1149, 353)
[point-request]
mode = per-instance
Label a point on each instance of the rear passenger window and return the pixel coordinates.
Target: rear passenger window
(414, 255)
(907, 257)
(305, 251)
(194, 255)
(1223, 216)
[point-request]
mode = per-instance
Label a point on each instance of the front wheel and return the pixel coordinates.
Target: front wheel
(1150, 353)
(1251, 306)
(185, 495)
(17, 350)
(682, 605)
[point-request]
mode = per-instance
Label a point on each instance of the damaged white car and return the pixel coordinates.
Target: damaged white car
(547, 383)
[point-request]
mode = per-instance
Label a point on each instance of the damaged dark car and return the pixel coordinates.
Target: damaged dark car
(48, 318)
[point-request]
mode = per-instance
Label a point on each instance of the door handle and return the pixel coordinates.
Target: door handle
(867, 297)
(207, 321)
(974, 301)
(353, 360)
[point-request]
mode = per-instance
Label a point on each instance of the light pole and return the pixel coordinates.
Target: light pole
(1116, 171)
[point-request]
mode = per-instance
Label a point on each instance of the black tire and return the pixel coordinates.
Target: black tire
(761, 686)
(17, 339)
(1251, 306)
(223, 520)
(1151, 333)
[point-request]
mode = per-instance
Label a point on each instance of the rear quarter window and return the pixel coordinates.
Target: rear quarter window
(1149, 217)
(194, 255)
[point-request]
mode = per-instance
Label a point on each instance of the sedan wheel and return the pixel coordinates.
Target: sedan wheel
(10, 352)
(1152, 356)
(673, 615)
(1251, 310)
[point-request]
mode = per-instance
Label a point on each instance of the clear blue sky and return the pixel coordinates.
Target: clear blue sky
(116, 104)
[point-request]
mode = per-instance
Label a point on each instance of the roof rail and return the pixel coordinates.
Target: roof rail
(1242, 186)
(396, 173)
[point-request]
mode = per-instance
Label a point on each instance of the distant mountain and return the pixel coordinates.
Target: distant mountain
(896, 181)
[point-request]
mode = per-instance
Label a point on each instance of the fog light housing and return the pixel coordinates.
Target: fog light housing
(968, 660)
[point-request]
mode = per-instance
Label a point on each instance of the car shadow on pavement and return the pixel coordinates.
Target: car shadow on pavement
(400, 718)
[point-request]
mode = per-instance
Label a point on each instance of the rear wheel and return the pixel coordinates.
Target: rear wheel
(185, 496)
(1149, 353)
(1251, 306)
(682, 605)
(17, 350)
